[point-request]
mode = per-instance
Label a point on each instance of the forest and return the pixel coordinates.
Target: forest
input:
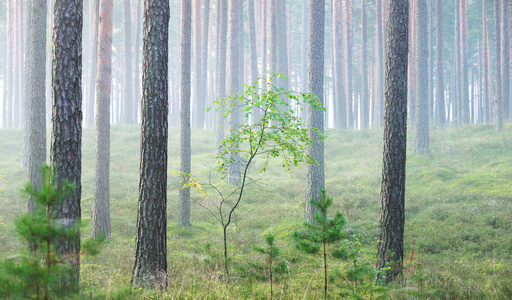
(255, 149)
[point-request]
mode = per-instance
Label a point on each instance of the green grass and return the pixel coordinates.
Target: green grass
(458, 215)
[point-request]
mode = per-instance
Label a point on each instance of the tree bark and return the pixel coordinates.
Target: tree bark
(390, 247)
(422, 141)
(37, 95)
(66, 142)
(150, 268)
(185, 135)
(101, 200)
(315, 176)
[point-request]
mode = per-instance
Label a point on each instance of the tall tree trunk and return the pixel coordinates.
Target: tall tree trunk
(390, 248)
(273, 63)
(16, 103)
(233, 82)
(101, 200)
(150, 267)
(303, 53)
(26, 87)
(196, 7)
(431, 7)
(485, 75)
(499, 62)
(464, 62)
(505, 56)
(365, 101)
(339, 93)
(201, 106)
(253, 52)
(379, 116)
(221, 69)
(7, 102)
(66, 142)
(315, 176)
(440, 103)
(348, 65)
(127, 102)
(282, 45)
(37, 94)
(93, 42)
(185, 135)
(136, 67)
(422, 131)
(411, 72)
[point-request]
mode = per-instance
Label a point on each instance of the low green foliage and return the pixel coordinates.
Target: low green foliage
(325, 231)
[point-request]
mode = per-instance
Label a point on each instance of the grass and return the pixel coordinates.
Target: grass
(458, 216)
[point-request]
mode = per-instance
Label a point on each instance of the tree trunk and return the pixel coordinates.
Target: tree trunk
(195, 92)
(221, 69)
(93, 42)
(505, 56)
(411, 72)
(282, 42)
(440, 103)
(37, 94)
(365, 101)
(253, 52)
(431, 8)
(101, 200)
(339, 93)
(185, 135)
(127, 97)
(315, 176)
(136, 67)
(233, 82)
(421, 68)
(201, 107)
(303, 54)
(464, 62)
(150, 268)
(499, 62)
(348, 64)
(379, 116)
(66, 142)
(26, 87)
(16, 101)
(390, 248)
(7, 102)
(485, 75)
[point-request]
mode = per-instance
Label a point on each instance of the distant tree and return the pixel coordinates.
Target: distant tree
(505, 56)
(464, 108)
(304, 53)
(127, 102)
(26, 87)
(253, 49)
(365, 97)
(94, 6)
(390, 247)
(66, 145)
(422, 142)
(348, 64)
(340, 120)
(185, 135)
(315, 176)
(196, 86)
(282, 41)
(233, 82)
(150, 267)
(101, 199)
(440, 106)
(221, 67)
(201, 107)
(485, 75)
(379, 109)
(497, 78)
(37, 97)
(136, 54)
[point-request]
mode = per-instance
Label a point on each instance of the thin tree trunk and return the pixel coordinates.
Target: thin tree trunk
(253, 52)
(101, 200)
(422, 142)
(196, 84)
(348, 64)
(37, 94)
(379, 116)
(499, 62)
(315, 176)
(464, 62)
(26, 87)
(485, 75)
(440, 102)
(303, 53)
(505, 56)
(340, 103)
(136, 66)
(93, 42)
(127, 102)
(365, 101)
(201, 105)
(221, 65)
(185, 135)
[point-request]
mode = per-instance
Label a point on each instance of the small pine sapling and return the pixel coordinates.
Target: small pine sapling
(271, 253)
(324, 232)
(38, 273)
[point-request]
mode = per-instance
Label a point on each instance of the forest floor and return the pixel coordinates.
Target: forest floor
(457, 232)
